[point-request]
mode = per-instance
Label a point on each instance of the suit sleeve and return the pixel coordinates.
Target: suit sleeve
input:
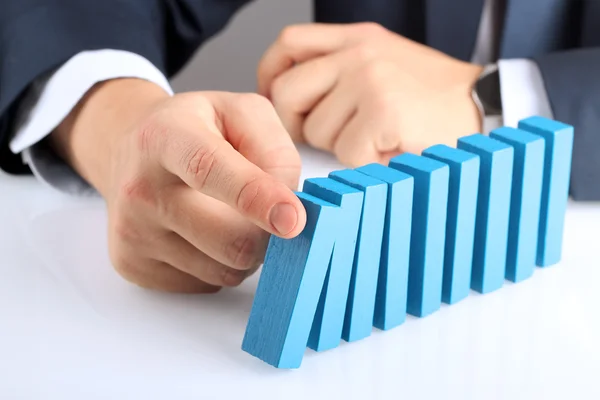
(37, 36)
(572, 81)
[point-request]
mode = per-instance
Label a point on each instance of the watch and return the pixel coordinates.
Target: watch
(486, 92)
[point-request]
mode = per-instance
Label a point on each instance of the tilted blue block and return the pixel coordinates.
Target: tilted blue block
(326, 331)
(360, 307)
(493, 207)
(289, 288)
(528, 173)
(392, 286)
(555, 187)
(428, 233)
(460, 225)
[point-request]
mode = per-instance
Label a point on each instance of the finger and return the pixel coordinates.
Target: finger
(209, 164)
(216, 229)
(252, 126)
(157, 275)
(329, 117)
(355, 145)
(295, 92)
(179, 253)
(299, 43)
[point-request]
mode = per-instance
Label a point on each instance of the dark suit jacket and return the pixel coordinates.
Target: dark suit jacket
(561, 36)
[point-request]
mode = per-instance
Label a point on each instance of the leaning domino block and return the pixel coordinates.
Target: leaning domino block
(360, 308)
(528, 172)
(460, 224)
(555, 187)
(390, 303)
(428, 231)
(289, 288)
(326, 331)
(493, 207)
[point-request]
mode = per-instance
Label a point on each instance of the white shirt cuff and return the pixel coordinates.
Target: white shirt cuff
(522, 90)
(52, 97)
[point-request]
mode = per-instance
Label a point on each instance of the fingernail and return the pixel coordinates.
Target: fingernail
(284, 218)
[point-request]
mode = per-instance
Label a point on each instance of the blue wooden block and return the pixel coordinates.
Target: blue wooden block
(555, 187)
(493, 208)
(326, 331)
(360, 308)
(392, 286)
(428, 233)
(528, 173)
(460, 225)
(289, 288)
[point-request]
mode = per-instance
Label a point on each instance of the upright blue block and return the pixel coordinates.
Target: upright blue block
(460, 225)
(528, 173)
(555, 187)
(289, 288)
(326, 331)
(430, 200)
(493, 207)
(392, 286)
(360, 308)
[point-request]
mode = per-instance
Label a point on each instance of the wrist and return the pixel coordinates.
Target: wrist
(91, 136)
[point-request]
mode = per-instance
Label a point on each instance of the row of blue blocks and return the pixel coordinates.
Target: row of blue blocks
(381, 242)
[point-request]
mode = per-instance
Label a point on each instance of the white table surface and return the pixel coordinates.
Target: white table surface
(71, 328)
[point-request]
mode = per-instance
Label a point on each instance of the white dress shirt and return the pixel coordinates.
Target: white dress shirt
(54, 95)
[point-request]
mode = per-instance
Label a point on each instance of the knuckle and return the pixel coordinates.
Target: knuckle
(315, 134)
(385, 103)
(364, 52)
(384, 106)
(374, 73)
(126, 269)
(138, 196)
(288, 35)
(137, 192)
(279, 92)
(370, 29)
(232, 277)
(199, 163)
(242, 253)
(349, 157)
(199, 100)
(125, 233)
(249, 195)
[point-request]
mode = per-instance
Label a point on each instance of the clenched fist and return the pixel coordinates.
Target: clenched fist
(365, 93)
(193, 183)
